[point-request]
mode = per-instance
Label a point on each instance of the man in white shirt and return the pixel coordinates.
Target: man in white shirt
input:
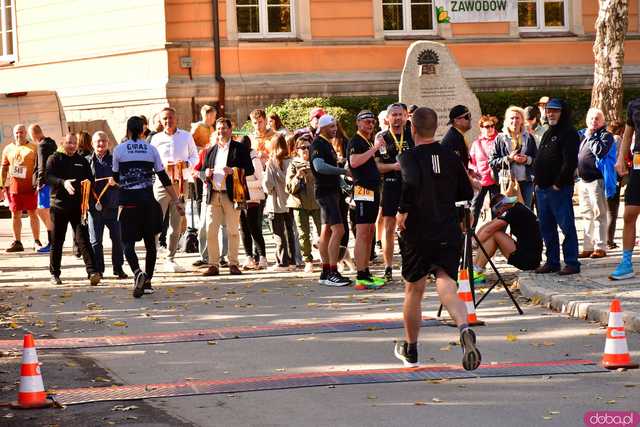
(179, 154)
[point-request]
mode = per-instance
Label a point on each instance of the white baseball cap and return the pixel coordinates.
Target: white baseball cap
(325, 120)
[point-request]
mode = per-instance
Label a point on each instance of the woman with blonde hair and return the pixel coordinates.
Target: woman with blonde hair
(479, 154)
(274, 184)
(514, 152)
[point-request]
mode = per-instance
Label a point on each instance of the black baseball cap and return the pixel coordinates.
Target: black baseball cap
(457, 111)
(412, 108)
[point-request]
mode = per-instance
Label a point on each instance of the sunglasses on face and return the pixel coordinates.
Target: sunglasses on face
(303, 147)
(490, 126)
(466, 116)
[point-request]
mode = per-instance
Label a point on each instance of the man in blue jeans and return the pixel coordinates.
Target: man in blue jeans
(555, 166)
(103, 207)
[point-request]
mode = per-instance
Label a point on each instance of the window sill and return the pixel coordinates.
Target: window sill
(269, 39)
(412, 37)
(545, 34)
(7, 61)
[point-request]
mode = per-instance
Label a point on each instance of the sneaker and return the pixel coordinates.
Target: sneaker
(262, 264)
(378, 280)
(55, 280)
(147, 288)
(37, 245)
(336, 279)
(400, 351)
(139, 281)
(199, 263)
(323, 277)
(278, 268)
(479, 277)
(16, 246)
(95, 278)
(368, 283)
(624, 270)
(388, 274)
(471, 356)
(45, 249)
(223, 262)
(249, 264)
(170, 266)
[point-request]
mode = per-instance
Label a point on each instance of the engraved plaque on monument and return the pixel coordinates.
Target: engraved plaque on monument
(431, 78)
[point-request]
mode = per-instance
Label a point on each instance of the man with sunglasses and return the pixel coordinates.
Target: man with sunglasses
(525, 252)
(454, 139)
(396, 140)
(366, 194)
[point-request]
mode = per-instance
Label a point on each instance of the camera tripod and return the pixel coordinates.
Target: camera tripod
(467, 261)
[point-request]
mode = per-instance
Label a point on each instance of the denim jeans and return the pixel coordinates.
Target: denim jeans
(97, 222)
(555, 208)
(526, 190)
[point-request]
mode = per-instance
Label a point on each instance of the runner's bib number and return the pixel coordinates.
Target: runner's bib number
(636, 161)
(362, 194)
(18, 171)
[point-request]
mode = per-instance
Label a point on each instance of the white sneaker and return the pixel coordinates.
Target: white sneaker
(170, 266)
(249, 264)
(278, 268)
(263, 262)
(308, 267)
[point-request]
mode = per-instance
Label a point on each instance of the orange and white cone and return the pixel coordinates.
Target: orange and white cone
(616, 353)
(31, 393)
(464, 293)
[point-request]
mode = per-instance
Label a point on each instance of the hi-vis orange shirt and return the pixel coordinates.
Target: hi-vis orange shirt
(18, 167)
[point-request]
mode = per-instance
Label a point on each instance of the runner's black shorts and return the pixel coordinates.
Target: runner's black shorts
(330, 208)
(138, 221)
(367, 212)
(390, 196)
(632, 193)
(525, 258)
(426, 257)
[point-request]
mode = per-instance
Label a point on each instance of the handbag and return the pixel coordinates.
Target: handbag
(508, 185)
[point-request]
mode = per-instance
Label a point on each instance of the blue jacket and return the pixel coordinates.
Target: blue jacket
(498, 158)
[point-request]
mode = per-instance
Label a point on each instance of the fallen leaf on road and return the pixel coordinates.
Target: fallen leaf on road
(447, 348)
(123, 408)
(120, 323)
(436, 400)
(101, 380)
(548, 343)
(212, 342)
(512, 338)
(372, 397)
(280, 369)
(630, 385)
(419, 403)
(554, 412)
(547, 418)
(162, 352)
(611, 402)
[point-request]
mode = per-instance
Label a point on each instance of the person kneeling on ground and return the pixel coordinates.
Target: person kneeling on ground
(525, 252)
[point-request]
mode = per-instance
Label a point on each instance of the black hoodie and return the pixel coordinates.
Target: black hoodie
(557, 157)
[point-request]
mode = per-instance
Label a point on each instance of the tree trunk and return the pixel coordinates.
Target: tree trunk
(608, 51)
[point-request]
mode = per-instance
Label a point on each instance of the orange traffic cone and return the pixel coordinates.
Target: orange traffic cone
(464, 293)
(616, 353)
(31, 393)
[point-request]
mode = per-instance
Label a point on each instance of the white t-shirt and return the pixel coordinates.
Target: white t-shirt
(177, 147)
(218, 169)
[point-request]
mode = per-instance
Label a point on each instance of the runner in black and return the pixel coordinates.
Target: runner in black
(135, 162)
(397, 139)
(327, 189)
(430, 240)
(366, 194)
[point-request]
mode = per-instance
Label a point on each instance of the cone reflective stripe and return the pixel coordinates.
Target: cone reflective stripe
(31, 392)
(464, 293)
(616, 353)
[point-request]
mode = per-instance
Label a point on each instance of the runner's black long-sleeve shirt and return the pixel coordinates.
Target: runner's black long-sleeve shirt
(433, 180)
(46, 148)
(61, 167)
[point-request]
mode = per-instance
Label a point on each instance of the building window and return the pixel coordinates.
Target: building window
(407, 16)
(259, 18)
(542, 14)
(7, 31)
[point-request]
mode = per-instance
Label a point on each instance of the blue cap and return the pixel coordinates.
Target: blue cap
(554, 104)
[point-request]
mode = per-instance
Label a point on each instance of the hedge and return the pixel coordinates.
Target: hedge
(294, 112)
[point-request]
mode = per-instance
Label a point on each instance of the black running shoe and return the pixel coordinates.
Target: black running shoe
(138, 289)
(471, 358)
(323, 277)
(336, 279)
(400, 351)
(388, 274)
(55, 280)
(147, 288)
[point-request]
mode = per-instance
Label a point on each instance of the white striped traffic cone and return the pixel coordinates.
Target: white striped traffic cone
(31, 393)
(464, 293)
(616, 353)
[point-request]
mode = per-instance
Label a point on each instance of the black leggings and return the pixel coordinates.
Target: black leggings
(150, 259)
(282, 224)
(251, 230)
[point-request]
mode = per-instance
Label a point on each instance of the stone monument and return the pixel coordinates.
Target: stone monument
(431, 78)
